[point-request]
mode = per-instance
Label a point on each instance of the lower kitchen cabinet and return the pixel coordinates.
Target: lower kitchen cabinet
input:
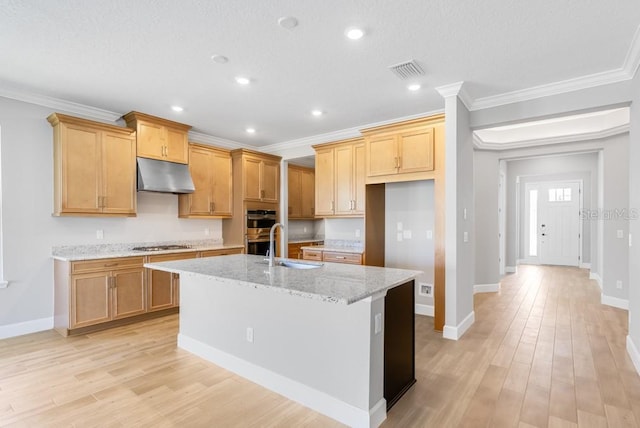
(332, 256)
(295, 249)
(163, 288)
(95, 292)
(224, 252)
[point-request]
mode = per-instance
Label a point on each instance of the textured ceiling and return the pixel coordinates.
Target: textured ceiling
(147, 55)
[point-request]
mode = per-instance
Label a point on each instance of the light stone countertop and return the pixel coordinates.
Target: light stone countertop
(332, 282)
(299, 240)
(72, 253)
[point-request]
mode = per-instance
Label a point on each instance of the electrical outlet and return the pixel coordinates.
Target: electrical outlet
(207, 232)
(250, 334)
(357, 233)
(99, 234)
(399, 225)
(304, 230)
(465, 236)
(399, 236)
(429, 234)
(425, 289)
(620, 234)
(618, 284)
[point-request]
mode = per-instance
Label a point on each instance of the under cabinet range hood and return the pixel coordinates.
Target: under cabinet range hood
(165, 177)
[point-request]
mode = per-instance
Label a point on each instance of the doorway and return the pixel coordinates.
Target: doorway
(553, 226)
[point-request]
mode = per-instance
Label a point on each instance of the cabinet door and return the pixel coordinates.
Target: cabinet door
(294, 187)
(161, 286)
(359, 176)
(270, 181)
(251, 167)
(201, 173)
(128, 293)
(307, 184)
(382, 156)
(81, 169)
(151, 140)
(415, 150)
(118, 174)
(90, 299)
(325, 187)
(176, 145)
(221, 193)
(344, 180)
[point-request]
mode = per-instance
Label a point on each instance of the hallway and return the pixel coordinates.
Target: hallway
(542, 352)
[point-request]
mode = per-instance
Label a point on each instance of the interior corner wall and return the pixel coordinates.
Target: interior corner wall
(486, 182)
(633, 340)
(409, 230)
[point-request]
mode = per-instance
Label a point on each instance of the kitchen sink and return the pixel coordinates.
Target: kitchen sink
(298, 265)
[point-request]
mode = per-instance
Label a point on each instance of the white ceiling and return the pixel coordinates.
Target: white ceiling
(147, 55)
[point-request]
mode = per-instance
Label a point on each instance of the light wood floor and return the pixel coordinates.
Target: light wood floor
(542, 352)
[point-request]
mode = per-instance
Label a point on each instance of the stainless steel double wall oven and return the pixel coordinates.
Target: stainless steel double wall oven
(259, 224)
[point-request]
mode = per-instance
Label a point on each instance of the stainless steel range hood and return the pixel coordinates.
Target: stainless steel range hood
(165, 177)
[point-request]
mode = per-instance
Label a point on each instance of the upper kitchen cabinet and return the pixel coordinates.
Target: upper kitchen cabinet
(159, 138)
(94, 168)
(257, 174)
(340, 178)
(402, 151)
(210, 169)
(301, 187)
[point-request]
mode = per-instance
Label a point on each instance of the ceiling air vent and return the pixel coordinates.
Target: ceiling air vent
(407, 70)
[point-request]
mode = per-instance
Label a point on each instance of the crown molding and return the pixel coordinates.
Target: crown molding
(456, 89)
(199, 137)
(626, 72)
(342, 134)
(587, 136)
(60, 104)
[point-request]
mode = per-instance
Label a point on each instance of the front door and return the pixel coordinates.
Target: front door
(553, 223)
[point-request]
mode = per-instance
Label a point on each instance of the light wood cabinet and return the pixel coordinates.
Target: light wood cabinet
(212, 177)
(301, 191)
(402, 151)
(94, 168)
(332, 256)
(223, 252)
(99, 291)
(159, 138)
(295, 250)
(340, 179)
(259, 175)
(163, 287)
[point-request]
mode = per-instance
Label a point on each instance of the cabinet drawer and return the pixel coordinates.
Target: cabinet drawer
(224, 252)
(105, 264)
(174, 256)
(312, 255)
(330, 256)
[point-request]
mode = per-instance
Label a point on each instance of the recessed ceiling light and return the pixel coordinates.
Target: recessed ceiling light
(220, 59)
(250, 130)
(177, 109)
(243, 80)
(288, 22)
(317, 112)
(354, 33)
(414, 87)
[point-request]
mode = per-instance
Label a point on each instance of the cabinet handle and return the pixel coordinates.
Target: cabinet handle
(99, 201)
(110, 264)
(340, 257)
(104, 201)
(331, 205)
(399, 161)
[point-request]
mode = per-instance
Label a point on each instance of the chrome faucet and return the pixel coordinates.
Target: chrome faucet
(271, 240)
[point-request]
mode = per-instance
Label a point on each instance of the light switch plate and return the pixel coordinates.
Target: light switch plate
(377, 321)
(406, 234)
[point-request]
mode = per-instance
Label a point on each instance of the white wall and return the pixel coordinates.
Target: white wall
(633, 340)
(412, 205)
(347, 229)
(486, 180)
(29, 231)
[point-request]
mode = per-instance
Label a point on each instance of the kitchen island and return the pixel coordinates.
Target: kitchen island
(336, 338)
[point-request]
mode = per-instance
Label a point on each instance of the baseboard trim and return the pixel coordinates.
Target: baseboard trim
(596, 278)
(486, 288)
(26, 327)
(632, 350)
(616, 302)
(585, 265)
(510, 269)
(296, 391)
(455, 333)
(426, 310)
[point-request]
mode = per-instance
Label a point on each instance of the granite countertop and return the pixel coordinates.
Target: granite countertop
(332, 282)
(106, 251)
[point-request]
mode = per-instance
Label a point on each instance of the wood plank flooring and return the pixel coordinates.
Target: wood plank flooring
(542, 353)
